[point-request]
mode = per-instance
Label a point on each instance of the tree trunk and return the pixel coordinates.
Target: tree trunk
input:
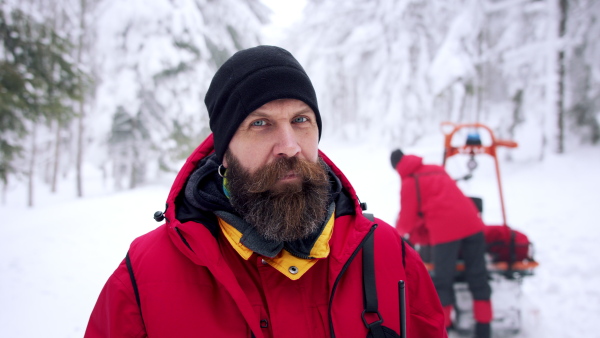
(80, 145)
(562, 27)
(55, 166)
(30, 172)
(81, 119)
(479, 78)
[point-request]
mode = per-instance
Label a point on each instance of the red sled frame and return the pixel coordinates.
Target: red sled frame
(507, 264)
(524, 264)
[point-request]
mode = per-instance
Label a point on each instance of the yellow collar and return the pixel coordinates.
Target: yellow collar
(289, 265)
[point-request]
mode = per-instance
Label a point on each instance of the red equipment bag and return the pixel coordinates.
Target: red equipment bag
(506, 244)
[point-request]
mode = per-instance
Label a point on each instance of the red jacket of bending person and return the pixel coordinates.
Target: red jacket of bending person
(436, 214)
(433, 208)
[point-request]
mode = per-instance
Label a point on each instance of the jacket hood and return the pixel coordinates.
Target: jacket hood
(185, 224)
(408, 165)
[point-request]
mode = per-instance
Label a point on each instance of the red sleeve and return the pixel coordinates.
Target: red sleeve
(408, 218)
(116, 313)
(426, 318)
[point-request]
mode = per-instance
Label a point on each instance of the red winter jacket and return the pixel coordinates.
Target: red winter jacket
(447, 214)
(190, 286)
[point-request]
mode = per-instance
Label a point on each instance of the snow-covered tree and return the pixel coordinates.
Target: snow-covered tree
(38, 84)
(369, 61)
(394, 70)
(582, 70)
(158, 58)
(128, 145)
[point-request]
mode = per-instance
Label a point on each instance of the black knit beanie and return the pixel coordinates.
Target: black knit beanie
(396, 157)
(248, 80)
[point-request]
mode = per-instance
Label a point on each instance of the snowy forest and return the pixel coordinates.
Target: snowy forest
(119, 85)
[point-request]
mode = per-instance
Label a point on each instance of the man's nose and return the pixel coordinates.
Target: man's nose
(286, 144)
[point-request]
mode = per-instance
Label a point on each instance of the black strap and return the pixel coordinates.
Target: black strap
(369, 287)
(369, 275)
(371, 218)
(376, 329)
(403, 253)
(134, 284)
(419, 210)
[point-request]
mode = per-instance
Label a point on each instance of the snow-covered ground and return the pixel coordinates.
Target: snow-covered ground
(55, 258)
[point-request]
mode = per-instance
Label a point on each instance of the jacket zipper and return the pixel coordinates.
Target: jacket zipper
(344, 268)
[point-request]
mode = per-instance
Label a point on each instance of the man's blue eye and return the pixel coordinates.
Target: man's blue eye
(300, 119)
(259, 123)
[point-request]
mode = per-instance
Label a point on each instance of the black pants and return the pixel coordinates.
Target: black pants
(444, 257)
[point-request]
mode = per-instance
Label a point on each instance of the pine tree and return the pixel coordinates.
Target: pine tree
(127, 144)
(38, 82)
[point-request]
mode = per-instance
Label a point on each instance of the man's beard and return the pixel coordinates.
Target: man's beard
(283, 214)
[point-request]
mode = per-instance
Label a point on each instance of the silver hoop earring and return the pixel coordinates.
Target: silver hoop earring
(219, 170)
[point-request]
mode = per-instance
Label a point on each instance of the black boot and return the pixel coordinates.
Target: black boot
(483, 330)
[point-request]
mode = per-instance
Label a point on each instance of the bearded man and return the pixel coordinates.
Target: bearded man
(264, 235)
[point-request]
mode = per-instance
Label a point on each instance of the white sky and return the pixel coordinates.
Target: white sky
(285, 13)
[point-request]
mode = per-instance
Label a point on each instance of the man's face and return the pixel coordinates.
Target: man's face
(275, 179)
(281, 128)
(280, 211)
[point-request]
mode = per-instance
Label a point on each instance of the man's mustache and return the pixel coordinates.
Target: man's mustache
(266, 177)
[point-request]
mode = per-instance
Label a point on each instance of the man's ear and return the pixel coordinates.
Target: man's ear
(225, 162)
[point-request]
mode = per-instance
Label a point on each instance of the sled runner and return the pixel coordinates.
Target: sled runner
(509, 251)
